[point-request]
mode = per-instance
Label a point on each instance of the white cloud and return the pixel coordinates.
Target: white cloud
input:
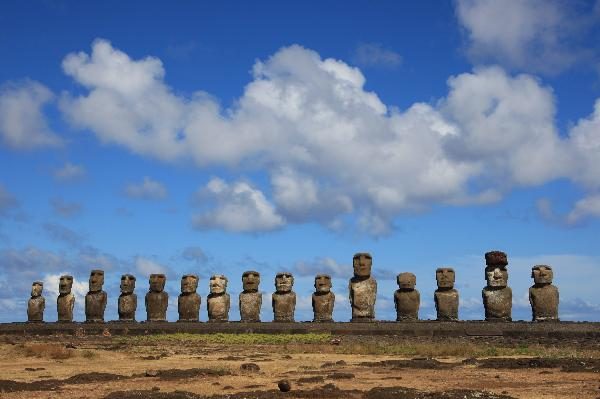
(325, 265)
(145, 266)
(374, 54)
(236, 207)
(330, 147)
(147, 189)
(589, 206)
(66, 209)
(69, 172)
(22, 122)
(535, 35)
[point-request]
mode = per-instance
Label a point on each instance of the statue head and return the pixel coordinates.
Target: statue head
(250, 280)
(406, 281)
(127, 284)
(496, 276)
(362, 263)
(157, 282)
(65, 284)
(323, 283)
(218, 284)
(284, 282)
(96, 280)
(445, 277)
(542, 274)
(189, 283)
(36, 289)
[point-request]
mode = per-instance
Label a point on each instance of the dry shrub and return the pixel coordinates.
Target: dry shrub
(47, 351)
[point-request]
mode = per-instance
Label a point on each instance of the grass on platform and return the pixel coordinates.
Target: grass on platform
(229, 339)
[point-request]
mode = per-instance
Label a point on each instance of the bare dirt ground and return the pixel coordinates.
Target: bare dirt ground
(185, 367)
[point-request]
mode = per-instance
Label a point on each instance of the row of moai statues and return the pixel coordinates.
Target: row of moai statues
(497, 296)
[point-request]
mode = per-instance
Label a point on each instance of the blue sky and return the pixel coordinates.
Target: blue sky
(219, 138)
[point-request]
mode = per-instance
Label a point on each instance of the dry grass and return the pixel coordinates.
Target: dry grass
(46, 351)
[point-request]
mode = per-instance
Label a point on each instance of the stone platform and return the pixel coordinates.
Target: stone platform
(552, 330)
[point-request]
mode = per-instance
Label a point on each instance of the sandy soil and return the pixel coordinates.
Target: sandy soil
(190, 370)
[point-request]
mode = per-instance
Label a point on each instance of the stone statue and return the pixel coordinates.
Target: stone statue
(66, 300)
(95, 300)
(543, 296)
(188, 303)
(407, 299)
(284, 299)
(218, 301)
(157, 300)
(323, 299)
(497, 296)
(127, 299)
(37, 303)
(362, 288)
(446, 297)
(250, 298)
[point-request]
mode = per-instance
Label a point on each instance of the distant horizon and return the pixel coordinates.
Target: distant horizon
(218, 138)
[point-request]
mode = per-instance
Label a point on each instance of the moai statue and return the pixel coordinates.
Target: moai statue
(218, 301)
(407, 299)
(283, 299)
(189, 301)
(497, 296)
(95, 300)
(446, 297)
(543, 296)
(127, 299)
(362, 288)
(323, 299)
(37, 303)
(250, 298)
(157, 300)
(66, 300)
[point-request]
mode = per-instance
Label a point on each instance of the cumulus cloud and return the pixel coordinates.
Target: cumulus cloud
(66, 209)
(147, 189)
(534, 35)
(194, 254)
(22, 121)
(333, 152)
(63, 234)
(69, 172)
(236, 207)
(374, 54)
(325, 265)
(146, 266)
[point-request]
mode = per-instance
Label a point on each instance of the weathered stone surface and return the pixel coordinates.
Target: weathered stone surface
(188, 303)
(37, 303)
(407, 299)
(250, 300)
(95, 300)
(323, 300)
(446, 297)
(284, 299)
(66, 300)
(157, 300)
(127, 299)
(543, 296)
(218, 301)
(497, 296)
(362, 288)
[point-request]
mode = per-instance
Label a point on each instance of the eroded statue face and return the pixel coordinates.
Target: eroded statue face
(36, 289)
(407, 281)
(445, 277)
(96, 280)
(127, 284)
(362, 263)
(157, 282)
(542, 274)
(189, 283)
(284, 282)
(323, 283)
(65, 284)
(218, 284)
(250, 280)
(496, 276)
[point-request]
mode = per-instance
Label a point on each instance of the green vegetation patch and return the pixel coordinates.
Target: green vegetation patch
(229, 339)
